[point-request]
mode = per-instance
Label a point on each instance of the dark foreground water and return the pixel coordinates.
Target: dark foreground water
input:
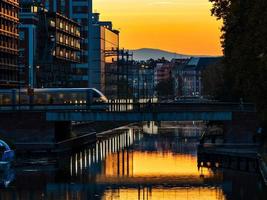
(132, 164)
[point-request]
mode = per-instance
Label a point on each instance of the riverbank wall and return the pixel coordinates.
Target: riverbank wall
(30, 132)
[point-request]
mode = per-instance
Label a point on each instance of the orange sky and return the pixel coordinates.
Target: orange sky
(182, 26)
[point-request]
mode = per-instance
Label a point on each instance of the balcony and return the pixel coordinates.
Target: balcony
(14, 3)
(7, 65)
(9, 50)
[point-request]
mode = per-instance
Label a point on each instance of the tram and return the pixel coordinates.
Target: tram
(52, 96)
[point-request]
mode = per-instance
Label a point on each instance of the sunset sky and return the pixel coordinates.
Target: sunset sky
(182, 26)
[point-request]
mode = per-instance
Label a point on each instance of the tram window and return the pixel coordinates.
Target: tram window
(96, 95)
(6, 99)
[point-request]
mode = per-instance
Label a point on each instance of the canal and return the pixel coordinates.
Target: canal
(136, 162)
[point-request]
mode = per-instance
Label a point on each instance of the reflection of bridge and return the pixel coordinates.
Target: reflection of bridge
(133, 112)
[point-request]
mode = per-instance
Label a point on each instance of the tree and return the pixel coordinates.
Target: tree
(165, 88)
(244, 45)
(213, 80)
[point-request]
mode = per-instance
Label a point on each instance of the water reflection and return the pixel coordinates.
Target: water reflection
(130, 164)
(165, 194)
(95, 155)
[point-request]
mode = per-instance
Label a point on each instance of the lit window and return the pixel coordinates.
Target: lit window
(52, 23)
(34, 9)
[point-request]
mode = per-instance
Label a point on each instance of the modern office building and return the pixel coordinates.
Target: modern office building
(9, 71)
(49, 44)
(81, 12)
(105, 56)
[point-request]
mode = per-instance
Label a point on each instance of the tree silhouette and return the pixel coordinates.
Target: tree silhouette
(244, 45)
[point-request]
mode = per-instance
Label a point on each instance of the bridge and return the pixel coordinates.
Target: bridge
(134, 112)
(52, 124)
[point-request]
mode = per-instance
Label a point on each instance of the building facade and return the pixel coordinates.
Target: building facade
(105, 56)
(49, 44)
(142, 80)
(81, 12)
(177, 74)
(187, 75)
(9, 70)
(162, 71)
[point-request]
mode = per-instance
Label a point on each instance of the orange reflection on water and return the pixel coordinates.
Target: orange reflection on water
(165, 164)
(150, 164)
(201, 193)
(153, 168)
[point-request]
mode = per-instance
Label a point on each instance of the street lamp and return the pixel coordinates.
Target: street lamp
(37, 76)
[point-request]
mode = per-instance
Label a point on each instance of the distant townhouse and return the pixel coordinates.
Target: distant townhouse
(142, 80)
(188, 75)
(162, 71)
(177, 75)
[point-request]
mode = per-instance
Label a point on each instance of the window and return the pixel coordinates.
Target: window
(52, 23)
(21, 35)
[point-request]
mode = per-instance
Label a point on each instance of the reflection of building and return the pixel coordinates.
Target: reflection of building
(112, 150)
(165, 193)
(9, 43)
(105, 56)
(50, 43)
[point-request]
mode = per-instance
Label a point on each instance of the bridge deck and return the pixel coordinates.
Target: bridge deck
(133, 112)
(139, 116)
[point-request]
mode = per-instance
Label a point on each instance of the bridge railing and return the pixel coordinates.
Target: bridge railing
(131, 107)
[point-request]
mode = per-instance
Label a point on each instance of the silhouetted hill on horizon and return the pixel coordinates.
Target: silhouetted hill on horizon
(148, 53)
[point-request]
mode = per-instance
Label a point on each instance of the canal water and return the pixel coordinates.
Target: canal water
(145, 162)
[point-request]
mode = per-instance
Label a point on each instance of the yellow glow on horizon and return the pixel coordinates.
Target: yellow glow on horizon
(182, 26)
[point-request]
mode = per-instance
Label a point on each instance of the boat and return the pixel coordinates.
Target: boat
(7, 156)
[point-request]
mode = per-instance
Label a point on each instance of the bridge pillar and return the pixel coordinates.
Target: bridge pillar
(27, 127)
(62, 131)
(31, 131)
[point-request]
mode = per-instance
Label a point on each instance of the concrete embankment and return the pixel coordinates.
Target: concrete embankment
(30, 132)
(263, 159)
(79, 129)
(263, 169)
(242, 157)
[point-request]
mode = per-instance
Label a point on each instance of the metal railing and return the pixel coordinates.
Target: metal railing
(132, 107)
